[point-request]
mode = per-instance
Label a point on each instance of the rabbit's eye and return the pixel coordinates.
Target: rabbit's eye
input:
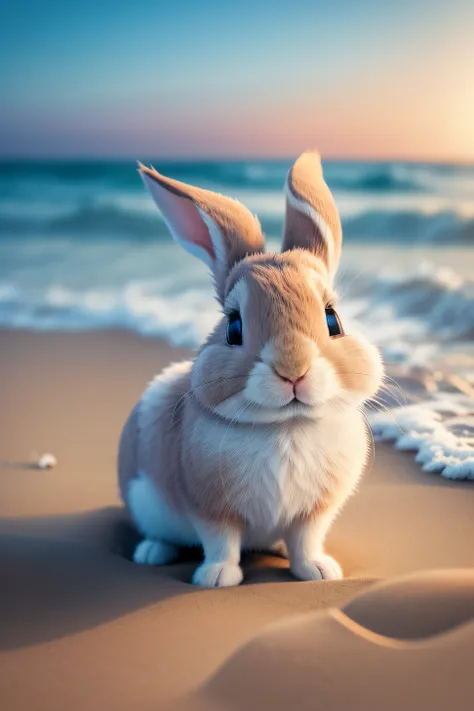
(234, 329)
(334, 324)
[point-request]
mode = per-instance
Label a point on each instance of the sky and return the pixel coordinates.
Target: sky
(250, 78)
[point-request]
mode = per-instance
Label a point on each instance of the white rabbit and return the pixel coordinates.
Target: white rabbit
(260, 438)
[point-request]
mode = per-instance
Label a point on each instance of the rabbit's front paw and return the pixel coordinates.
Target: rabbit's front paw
(154, 553)
(218, 575)
(323, 567)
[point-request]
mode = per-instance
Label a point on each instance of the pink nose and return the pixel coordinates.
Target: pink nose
(290, 380)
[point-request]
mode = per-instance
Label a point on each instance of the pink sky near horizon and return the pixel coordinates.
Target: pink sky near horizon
(382, 82)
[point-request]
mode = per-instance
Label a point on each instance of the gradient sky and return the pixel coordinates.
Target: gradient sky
(355, 78)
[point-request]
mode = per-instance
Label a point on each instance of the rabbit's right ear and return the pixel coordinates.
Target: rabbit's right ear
(312, 219)
(218, 230)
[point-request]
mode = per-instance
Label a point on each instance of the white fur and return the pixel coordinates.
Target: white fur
(266, 389)
(323, 227)
(150, 552)
(238, 408)
(321, 567)
(282, 471)
(155, 518)
(221, 574)
(305, 541)
(222, 546)
(152, 400)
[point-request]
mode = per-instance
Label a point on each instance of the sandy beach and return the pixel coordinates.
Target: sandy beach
(83, 627)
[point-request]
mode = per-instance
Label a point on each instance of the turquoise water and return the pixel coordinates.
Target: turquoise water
(396, 202)
(83, 246)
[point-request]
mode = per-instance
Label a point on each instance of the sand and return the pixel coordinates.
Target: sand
(82, 627)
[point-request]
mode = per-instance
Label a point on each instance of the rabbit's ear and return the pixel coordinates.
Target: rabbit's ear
(312, 220)
(218, 230)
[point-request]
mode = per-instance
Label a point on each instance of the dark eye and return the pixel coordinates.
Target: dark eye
(334, 325)
(234, 329)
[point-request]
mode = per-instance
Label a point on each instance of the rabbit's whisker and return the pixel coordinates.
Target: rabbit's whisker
(375, 406)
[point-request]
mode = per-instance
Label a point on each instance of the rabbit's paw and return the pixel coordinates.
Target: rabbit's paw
(154, 553)
(218, 575)
(323, 567)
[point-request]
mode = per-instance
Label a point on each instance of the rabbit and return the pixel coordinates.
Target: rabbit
(261, 437)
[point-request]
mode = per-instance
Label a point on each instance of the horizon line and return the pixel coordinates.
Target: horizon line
(334, 158)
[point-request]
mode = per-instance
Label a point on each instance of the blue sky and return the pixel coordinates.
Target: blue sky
(249, 78)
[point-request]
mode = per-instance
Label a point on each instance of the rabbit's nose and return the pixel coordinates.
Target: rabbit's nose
(293, 380)
(290, 356)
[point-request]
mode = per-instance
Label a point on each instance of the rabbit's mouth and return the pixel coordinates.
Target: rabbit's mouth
(294, 402)
(294, 408)
(240, 409)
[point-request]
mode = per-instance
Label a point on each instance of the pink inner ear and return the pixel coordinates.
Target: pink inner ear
(182, 217)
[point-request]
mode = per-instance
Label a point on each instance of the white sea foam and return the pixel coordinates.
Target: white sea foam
(440, 431)
(183, 319)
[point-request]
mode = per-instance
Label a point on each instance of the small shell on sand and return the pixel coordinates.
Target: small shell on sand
(47, 461)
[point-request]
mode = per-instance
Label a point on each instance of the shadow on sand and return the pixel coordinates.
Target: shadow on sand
(65, 574)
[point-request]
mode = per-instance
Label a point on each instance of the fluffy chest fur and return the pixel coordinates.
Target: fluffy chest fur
(268, 475)
(284, 477)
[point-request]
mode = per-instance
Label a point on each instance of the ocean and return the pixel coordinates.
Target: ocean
(83, 247)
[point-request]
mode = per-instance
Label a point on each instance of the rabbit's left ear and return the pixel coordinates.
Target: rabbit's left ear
(216, 229)
(312, 220)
